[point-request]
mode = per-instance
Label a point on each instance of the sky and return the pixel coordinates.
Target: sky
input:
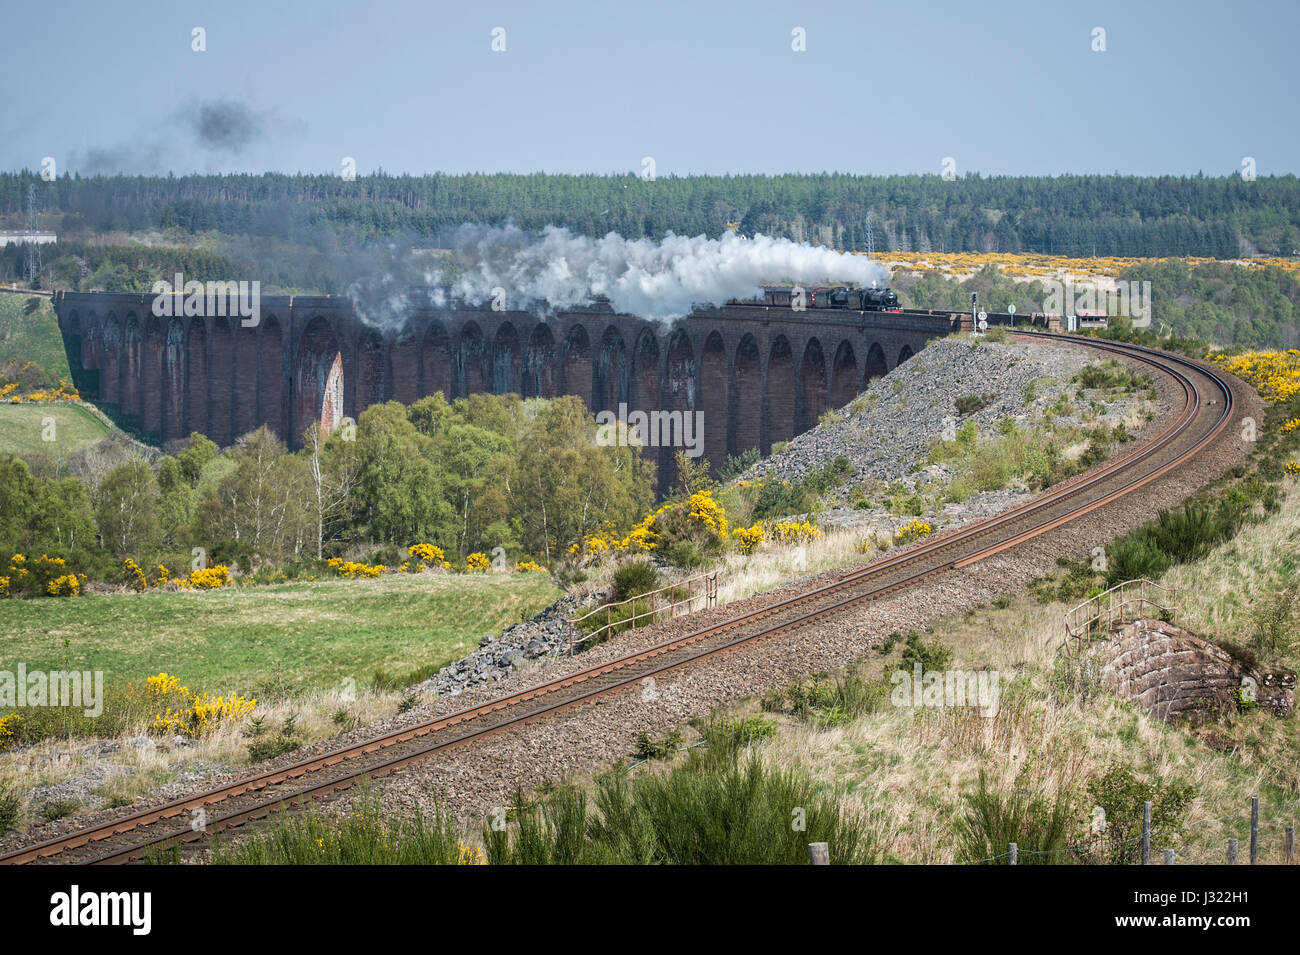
(999, 88)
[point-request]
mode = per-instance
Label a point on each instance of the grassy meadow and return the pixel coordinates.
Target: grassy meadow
(272, 639)
(24, 427)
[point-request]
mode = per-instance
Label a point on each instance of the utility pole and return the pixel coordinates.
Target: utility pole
(32, 260)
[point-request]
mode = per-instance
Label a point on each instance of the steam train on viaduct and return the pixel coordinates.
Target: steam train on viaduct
(841, 296)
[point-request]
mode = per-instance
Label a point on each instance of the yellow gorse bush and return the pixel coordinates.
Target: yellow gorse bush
(208, 578)
(7, 724)
(194, 713)
(477, 563)
(354, 569)
(1274, 374)
(64, 392)
(708, 513)
(134, 575)
(1032, 264)
(1293, 468)
(66, 586)
(912, 530)
(794, 532)
(748, 538)
(426, 555)
(531, 567)
(40, 576)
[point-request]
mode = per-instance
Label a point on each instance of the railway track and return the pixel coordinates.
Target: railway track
(1206, 410)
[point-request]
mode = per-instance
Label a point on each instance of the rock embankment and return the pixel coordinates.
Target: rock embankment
(518, 647)
(888, 431)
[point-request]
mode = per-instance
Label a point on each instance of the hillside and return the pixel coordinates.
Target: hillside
(29, 332)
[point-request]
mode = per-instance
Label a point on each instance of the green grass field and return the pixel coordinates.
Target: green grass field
(24, 427)
(273, 639)
(32, 336)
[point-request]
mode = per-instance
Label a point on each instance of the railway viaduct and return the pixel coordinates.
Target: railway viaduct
(758, 374)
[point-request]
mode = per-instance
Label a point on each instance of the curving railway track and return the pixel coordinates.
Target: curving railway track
(1207, 404)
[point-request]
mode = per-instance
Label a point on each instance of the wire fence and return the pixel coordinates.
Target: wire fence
(1255, 842)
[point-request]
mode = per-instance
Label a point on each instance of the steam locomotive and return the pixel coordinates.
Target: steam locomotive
(866, 299)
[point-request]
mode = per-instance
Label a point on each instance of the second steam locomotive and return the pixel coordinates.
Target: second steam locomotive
(865, 299)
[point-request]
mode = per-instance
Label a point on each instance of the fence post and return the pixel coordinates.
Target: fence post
(1013, 854)
(1254, 829)
(1232, 852)
(1146, 833)
(819, 853)
(1290, 845)
(1169, 857)
(570, 638)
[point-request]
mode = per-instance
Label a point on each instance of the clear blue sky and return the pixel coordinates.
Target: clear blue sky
(703, 87)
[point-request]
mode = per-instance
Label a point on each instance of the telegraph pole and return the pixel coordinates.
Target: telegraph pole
(32, 260)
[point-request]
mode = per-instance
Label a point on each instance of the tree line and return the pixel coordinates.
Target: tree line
(1139, 216)
(467, 476)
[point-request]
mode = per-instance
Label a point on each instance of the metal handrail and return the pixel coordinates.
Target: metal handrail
(708, 592)
(1115, 610)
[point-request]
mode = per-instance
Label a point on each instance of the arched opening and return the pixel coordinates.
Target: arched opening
(222, 370)
(679, 399)
(436, 362)
(746, 398)
(844, 376)
(714, 389)
(609, 383)
(110, 378)
(370, 371)
(91, 356)
(271, 377)
(173, 380)
(779, 395)
(197, 379)
(469, 361)
(539, 364)
(132, 369)
(644, 385)
(404, 362)
(247, 360)
(577, 364)
(506, 361)
(876, 366)
(317, 380)
(905, 354)
(812, 390)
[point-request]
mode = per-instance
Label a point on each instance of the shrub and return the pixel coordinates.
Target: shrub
(649, 748)
(709, 811)
(365, 837)
(1121, 795)
(634, 578)
(931, 655)
(11, 805)
(737, 465)
(969, 404)
(1273, 622)
(993, 818)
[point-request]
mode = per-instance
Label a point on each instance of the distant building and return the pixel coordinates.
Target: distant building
(24, 238)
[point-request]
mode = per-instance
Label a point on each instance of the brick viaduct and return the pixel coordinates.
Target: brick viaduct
(759, 375)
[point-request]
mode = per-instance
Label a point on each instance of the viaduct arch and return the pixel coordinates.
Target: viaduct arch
(751, 375)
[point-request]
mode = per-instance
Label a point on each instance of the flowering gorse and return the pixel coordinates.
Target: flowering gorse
(912, 530)
(193, 713)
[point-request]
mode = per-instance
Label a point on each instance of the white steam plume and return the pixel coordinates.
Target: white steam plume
(655, 280)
